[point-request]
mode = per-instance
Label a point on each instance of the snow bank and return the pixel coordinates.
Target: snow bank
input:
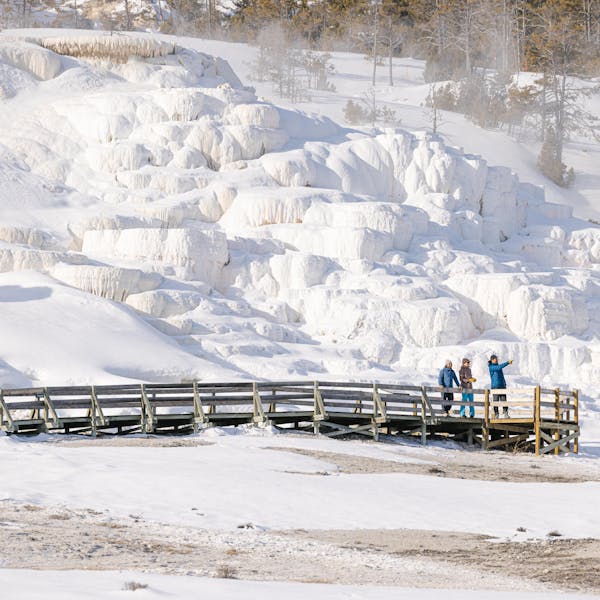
(103, 585)
(100, 341)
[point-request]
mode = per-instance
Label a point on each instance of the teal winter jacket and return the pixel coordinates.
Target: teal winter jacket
(497, 376)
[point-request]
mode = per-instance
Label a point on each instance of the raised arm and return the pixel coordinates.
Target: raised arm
(499, 367)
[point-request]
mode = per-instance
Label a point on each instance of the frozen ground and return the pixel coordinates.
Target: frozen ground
(56, 476)
(258, 506)
(73, 585)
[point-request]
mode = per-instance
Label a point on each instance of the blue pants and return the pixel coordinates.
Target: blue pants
(467, 398)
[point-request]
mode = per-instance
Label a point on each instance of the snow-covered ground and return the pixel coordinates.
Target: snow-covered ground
(235, 502)
(250, 478)
(74, 585)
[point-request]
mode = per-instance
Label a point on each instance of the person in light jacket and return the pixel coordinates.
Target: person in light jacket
(498, 383)
(446, 378)
(466, 383)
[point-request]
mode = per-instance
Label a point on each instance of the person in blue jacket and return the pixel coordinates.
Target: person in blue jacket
(446, 378)
(498, 383)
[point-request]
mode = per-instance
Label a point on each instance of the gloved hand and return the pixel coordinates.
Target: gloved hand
(473, 380)
(510, 362)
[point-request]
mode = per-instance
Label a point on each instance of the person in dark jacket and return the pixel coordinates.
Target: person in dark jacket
(498, 383)
(446, 378)
(466, 383)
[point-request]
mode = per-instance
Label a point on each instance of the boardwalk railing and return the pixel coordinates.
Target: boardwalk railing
(542, 420)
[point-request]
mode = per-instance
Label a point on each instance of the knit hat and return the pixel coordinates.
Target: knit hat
(493, 356)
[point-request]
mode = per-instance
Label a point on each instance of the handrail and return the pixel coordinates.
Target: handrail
(552, 413)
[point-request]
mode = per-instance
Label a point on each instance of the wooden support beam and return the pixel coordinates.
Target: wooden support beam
(97, 413)
(507, 441)
(576, 419)
(200, 417)
(485, 429)
(478, 439)
(147, 413)
(273, 403)
(379, 408)
(345, 429)
(258, 413)
(425, 404)
(319, 413)
(557, 417)
(552, 425)
(5, 414)
(537, 410)
(50, 412)
(510, 428)
(564, 442)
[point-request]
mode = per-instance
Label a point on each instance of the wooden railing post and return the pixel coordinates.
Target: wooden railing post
(50, 409)
(199, 416)
(379, 408)
(97, 414)
(273, 404)
(576, 419)
(485, 434)
(259, 417)
(318, 408)
(424, 403)
(147, 416)
(557, 418)
(379, 412)
(10, 424)
(537, 418)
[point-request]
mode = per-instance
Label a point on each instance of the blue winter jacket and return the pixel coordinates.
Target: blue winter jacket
(497, 376)
(446, 377)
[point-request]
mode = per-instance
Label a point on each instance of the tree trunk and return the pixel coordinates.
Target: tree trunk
(391, 47)
(127, 16)
(375, 34)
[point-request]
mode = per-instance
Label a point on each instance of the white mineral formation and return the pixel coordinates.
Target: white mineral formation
(182, 217)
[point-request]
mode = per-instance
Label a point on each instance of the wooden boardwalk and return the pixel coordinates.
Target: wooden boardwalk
(541, 420)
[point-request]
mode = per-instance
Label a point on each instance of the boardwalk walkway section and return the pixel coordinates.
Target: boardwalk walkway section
(540, 420)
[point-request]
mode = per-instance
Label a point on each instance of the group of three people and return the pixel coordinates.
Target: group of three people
(447, 378)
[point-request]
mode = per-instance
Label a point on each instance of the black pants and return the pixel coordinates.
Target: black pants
(499, 398)
(447, 398)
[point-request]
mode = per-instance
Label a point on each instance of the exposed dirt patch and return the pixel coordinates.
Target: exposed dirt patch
(569, 564)
(123, 440)
(84, 539)
(458, 465)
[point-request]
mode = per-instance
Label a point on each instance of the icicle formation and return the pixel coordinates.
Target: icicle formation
(115, 47)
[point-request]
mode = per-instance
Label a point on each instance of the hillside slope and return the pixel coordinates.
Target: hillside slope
(259, 241)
